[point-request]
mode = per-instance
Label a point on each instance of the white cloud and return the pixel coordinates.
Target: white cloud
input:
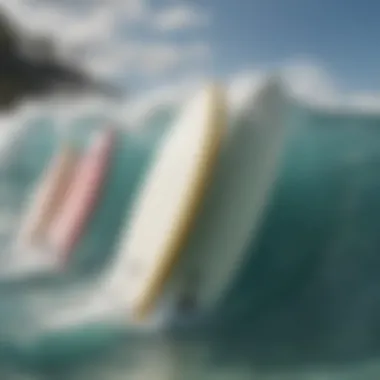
(310, 84)
(366, 101)
(242, 86)
(180, 16)
(89, 32)
(159, 59)
(66, 27)
(132, 10)
(150, 59)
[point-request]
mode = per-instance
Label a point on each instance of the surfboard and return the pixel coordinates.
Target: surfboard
(82, 195)
(232, 211)
(47, 196)
(168, 202)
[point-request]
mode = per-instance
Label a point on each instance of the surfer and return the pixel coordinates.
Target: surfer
(24, 75)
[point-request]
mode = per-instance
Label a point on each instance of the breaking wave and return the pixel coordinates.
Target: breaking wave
(306, 287)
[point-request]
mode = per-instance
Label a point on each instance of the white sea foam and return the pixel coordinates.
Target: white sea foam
(305, 83)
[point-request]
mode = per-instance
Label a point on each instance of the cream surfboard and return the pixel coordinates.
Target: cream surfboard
(168, 203)
(235, 202)
(82, 195)
(48, 196)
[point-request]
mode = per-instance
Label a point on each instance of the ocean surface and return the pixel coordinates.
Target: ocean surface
(305, 303)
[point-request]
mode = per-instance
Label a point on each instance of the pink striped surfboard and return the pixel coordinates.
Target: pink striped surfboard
(82, 195)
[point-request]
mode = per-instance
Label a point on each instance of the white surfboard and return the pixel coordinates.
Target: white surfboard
(234, 205)
(168, 202)
(47, 197)
(82, 195)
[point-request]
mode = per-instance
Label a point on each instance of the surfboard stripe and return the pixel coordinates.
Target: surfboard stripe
(49, 193)
(82, 195)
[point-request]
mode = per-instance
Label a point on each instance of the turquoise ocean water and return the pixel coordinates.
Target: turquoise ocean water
(305, 304)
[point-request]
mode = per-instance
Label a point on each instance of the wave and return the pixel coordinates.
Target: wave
(321, 204)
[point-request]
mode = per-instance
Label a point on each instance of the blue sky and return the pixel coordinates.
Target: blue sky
(342, 36)
(148, 42)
